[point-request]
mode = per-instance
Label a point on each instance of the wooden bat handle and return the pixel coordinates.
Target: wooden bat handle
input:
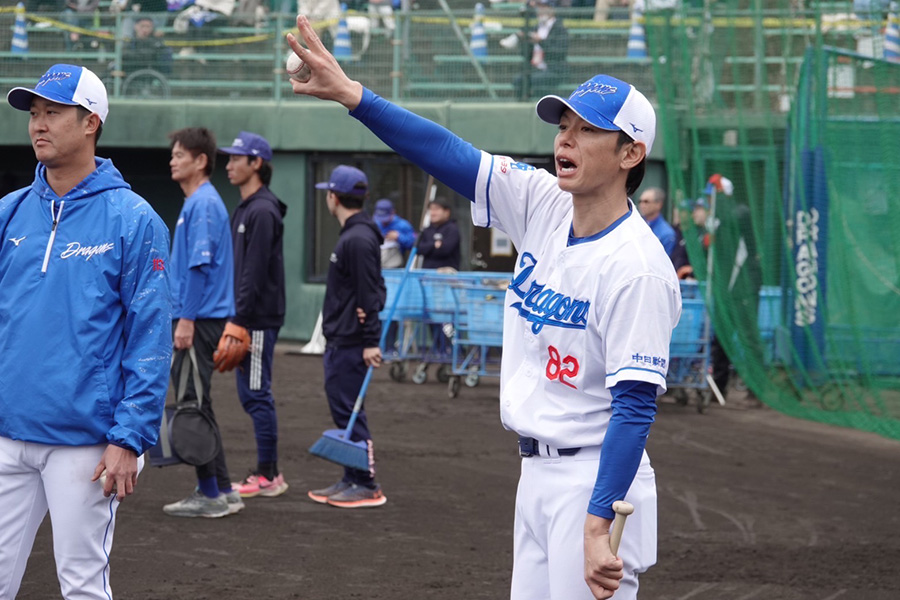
(622, 510)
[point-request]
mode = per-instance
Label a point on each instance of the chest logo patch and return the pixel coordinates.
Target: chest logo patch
(88, 252)
(541, 305)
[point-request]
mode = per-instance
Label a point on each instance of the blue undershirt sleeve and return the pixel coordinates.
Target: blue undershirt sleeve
(634, 409)
(438, 151)
(193, 293)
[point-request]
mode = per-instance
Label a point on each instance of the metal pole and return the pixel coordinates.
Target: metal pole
(397, 43)
(278, 66)
(465, 44)
(759, 52)
(527, 13)
(117, 60)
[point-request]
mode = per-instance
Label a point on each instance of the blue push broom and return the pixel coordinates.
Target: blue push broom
(335, 444)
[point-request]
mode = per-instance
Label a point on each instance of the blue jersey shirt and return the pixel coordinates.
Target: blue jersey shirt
(201, 248)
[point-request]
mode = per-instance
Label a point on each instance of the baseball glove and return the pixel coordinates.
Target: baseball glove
(233, 346)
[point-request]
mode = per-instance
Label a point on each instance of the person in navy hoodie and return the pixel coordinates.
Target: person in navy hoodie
(257, 231)
(85, 338)
(354, 295)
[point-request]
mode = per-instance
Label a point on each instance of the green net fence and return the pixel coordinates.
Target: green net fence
(786, 125)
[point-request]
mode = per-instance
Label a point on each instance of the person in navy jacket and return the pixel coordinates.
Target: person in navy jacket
(438, 243)
(85, 338)
(354, 295)
(257, 229)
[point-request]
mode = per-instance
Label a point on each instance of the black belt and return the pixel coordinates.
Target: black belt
(529, 446)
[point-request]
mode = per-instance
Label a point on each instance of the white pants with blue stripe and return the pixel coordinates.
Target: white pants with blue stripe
(551, 506)
(37, 478)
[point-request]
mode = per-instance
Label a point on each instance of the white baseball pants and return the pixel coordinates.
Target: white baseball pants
(35, 478)
(551, 504)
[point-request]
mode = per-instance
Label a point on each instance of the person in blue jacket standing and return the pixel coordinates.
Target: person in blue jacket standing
(399, 235)
(85, 330)
(202, 277)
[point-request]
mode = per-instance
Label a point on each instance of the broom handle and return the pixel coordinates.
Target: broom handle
(384, 329)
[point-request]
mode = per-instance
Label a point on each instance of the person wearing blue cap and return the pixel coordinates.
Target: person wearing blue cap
(86, 321)
(257, 230)
(202, 276)
(588, 318)
(354, 295)
(399, 235)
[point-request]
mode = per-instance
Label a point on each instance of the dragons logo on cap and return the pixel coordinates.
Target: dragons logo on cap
(594, 88)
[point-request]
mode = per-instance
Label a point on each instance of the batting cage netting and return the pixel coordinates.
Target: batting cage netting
(782, 133)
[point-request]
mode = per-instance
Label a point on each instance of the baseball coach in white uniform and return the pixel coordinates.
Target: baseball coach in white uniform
(588, 320)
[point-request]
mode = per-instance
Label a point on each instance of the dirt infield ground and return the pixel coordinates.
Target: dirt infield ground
(753, 505)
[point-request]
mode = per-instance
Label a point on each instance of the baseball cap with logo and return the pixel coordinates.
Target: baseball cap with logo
(65, 84)
(607, 103)
(249, 144)
(346, 180)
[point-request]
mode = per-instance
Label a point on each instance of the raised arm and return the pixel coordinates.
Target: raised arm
(435, 149)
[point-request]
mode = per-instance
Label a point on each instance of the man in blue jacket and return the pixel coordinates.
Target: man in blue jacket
(85, 330)
(202, 277)
(354, 295)
(399, 235)
(257, 231)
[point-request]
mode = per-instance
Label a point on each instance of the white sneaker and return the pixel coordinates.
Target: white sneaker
(235, 504)
(199, 505)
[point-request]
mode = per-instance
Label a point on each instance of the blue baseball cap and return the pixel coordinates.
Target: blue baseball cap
(65, 84)
(384, 208)
(607, 103)
(346, 180)
(249, 144)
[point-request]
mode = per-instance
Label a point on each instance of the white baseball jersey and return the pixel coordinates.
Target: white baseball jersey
(579, 319)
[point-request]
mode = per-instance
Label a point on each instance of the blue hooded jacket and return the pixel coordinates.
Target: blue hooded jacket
(85, 314)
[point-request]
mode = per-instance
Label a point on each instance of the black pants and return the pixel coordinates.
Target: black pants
(345, 371)
(721, 365)
(206, 338)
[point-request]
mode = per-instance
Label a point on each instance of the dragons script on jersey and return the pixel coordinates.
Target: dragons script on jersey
(572, 324)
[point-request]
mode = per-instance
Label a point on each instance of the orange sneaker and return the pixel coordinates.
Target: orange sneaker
(357, 496)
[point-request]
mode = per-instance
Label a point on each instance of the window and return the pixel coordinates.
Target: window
(389, 176)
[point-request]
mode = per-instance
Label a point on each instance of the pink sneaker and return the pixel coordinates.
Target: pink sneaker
(257, 485)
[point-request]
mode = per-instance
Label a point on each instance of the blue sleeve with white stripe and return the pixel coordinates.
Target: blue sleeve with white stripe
(634, 409)
(438, 151)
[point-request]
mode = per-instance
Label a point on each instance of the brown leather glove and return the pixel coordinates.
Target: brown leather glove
(233, 346)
